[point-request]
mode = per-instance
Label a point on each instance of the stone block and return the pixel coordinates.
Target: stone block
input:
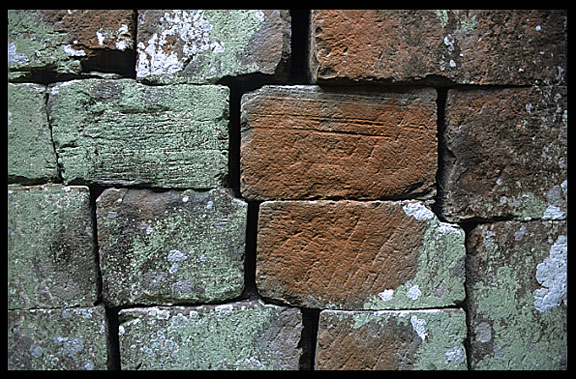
(69, 42)
(509, 47)
(51, 257)
(119, 132)
(302, 142)
(431, 339)
(31, 155)
(517, 295)
(57, 339)
(358, 255)
(246, 335)
(204, 46)
(507, 152)
(170, 247)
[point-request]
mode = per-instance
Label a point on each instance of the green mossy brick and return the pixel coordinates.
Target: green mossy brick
(431, 339)
(170, 247)
(31, 155)
(58, 339)
(51, 257)
(247, 335)
(119, 132)
(517, 295)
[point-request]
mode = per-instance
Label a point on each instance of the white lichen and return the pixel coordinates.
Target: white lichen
(419, 326)
(552, 276)
(418, 210)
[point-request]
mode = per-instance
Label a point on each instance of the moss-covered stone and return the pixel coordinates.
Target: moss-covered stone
(517, 295)
(51, 257)
(170, 247)
(201, 46)
(57, 339)
(245, 335)
(31, 155)
(119, 132)
(391, 340)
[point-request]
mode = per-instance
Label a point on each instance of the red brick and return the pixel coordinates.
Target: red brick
(467, 47)
(301, 142)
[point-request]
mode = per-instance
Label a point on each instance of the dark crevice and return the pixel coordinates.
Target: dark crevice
(95, 191)
(444, 154)
(113, 342)
(250, 291)
(308, 338)
(299, 65)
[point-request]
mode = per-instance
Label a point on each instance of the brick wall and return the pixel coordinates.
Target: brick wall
(287, 189)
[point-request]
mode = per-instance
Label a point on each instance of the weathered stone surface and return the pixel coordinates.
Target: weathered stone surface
(200, 46)
(170, 247)
(119, 132)
(246, 335)
(392, 340)
(57, 339)
(517, 295)
(358, 255)
(467, 47)
(31, 155)
(303, 142)
(51, 258)
(68, 41)
(507, 154)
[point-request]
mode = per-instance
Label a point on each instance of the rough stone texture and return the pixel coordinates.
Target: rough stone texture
(392, 340)
(68, 42)
(199, 46)
(119, 132)
(51, 258)
(57, 339)
(31, 155)
(507, 154)
(246, 335)
(170, 247)
(358, 255)
(517, 295)
(303, 142)
(467, 47)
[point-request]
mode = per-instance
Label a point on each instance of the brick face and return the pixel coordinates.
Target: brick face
(302, 142)
(466, 47)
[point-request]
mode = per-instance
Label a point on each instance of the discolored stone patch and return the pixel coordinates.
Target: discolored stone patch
(507, 152)
(119, 132)
(246, 335)
(170, 247)
(203, 46)
(57, 339)
(302, 142)
(358, 255)
(391, 340)
(517, 295)
(51, 257)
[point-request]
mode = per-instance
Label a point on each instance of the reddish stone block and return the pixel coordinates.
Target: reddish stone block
(506, 154)
(466, 47)
(302, 142)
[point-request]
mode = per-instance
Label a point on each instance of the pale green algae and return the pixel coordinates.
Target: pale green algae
(441, 333)
(440, 276)
(51, 262)
(58, 339)
(191, 253)
(212, 44)
(512, 325)
(31, 154)
(241, 335)
(119, 132)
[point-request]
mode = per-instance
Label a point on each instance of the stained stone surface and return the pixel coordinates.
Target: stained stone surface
(246, 335)
(58, 339)
(119, 132)
(358, 255)
(431, 339)
(51, 257)
(31, 155)
(170, 247)
(203, 46)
